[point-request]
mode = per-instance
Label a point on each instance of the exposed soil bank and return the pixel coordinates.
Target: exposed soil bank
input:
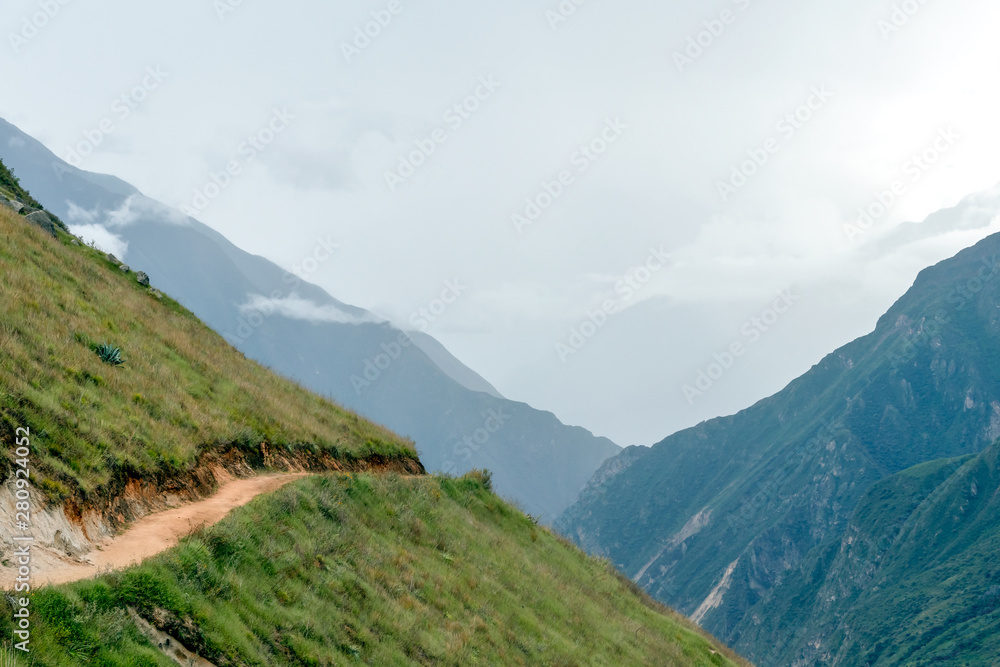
(84, 536)
(153, 534)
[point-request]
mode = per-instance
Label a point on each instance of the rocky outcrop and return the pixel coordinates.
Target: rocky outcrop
(15, 206)
(36, 216)
(42, 220)
(169, 645)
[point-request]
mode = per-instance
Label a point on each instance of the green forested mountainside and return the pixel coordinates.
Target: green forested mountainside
(915, 579)
(376, 570)
(734, 505)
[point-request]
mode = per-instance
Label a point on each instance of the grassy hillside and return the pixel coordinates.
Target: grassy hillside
(181, 391)
(379, 570)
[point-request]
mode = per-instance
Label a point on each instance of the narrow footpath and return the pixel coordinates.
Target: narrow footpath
(153, 534)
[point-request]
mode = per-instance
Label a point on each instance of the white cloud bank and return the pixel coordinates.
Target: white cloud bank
(296, 308)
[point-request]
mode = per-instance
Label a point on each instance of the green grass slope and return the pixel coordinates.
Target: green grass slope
(182, 391)
(368, 569)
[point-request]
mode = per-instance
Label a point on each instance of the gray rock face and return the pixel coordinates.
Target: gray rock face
(42, 220)
(125, 268)
(112, 258)
(15, 206)
(142, 278)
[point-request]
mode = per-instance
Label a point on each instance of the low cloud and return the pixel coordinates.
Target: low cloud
(101, 238)
(132, 210)
(296, 308)
(977, 211)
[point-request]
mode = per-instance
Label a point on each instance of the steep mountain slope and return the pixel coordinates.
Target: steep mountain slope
(713, 519)
(389, 568)
(378, 570)
(444, 360)
(456, 419)
(914, 580)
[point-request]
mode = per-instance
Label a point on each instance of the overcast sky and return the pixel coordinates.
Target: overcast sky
(828, 101)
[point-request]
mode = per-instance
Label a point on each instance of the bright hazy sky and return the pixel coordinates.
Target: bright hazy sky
(663, 131)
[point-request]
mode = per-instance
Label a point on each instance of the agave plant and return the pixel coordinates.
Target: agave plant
(110, 354)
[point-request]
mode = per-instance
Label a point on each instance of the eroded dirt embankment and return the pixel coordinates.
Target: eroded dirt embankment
(150, 535)
(136, 517)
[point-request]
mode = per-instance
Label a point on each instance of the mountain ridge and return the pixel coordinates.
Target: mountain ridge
(781, 479)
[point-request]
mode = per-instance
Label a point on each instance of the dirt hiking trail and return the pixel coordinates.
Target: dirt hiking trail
(152, 534)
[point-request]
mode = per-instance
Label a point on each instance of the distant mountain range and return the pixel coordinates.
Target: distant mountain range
(405, 380)
(850, 519)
